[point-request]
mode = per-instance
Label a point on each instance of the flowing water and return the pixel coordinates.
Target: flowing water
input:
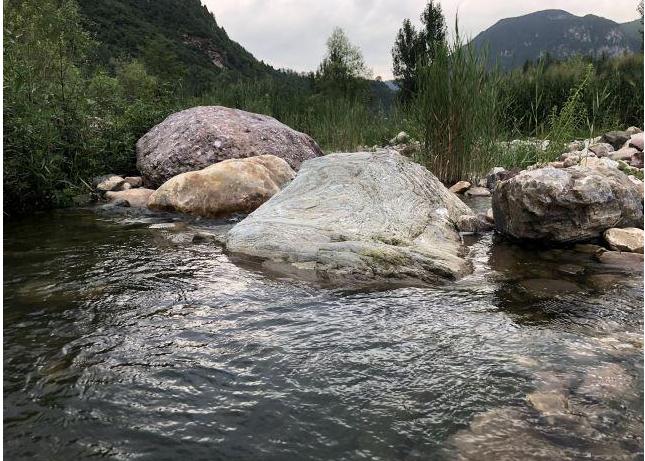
(123, 341)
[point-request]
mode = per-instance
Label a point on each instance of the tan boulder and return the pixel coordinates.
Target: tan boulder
(137, 198)
(228, 187)
(460, 187)
(108, 182)
(628, 239)
(134, 181)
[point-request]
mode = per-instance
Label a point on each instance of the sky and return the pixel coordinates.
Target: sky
(292, 33)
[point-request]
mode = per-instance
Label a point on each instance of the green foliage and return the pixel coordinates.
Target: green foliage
(412, 49)
(342, 71)
(613, 94)
(570, 120)
(336, 123)
(74, 107)
(457, 112)
(61, 127)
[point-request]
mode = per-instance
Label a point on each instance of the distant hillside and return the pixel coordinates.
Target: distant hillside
(175, 36)
(513, 41)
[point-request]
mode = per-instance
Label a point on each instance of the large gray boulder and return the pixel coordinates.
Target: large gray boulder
(199, 137)
(358, 218)
(567, 204)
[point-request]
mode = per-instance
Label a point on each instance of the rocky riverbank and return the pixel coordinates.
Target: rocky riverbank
(376, 216)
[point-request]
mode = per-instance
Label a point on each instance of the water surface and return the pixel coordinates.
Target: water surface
(126, 342)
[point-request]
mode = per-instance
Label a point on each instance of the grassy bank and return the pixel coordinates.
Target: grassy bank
(67, 119)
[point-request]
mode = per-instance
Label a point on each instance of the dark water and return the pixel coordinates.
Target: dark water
(126, 342)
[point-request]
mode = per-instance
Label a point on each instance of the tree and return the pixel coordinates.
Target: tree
(434, 28)
(342, 70)
(413, 48)
(405, 54)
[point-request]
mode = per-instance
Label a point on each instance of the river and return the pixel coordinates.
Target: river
(123, 341)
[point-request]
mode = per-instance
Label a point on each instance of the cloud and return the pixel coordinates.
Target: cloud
(292, 33)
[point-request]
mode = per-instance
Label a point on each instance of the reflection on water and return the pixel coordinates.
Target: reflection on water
(130, 342)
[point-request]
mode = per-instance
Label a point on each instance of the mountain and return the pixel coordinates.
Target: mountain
(513, 41)
(174, 37)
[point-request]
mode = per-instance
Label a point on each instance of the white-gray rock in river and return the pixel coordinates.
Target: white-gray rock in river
(359, 217)
(566, 204)
(196, 138)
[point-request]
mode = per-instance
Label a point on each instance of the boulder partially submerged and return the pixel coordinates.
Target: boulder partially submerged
(196, 138)
(567, 204)
(358, 217)
(137, 198)
(228, 187)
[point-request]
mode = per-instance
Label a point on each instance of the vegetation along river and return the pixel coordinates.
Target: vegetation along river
(130, 342)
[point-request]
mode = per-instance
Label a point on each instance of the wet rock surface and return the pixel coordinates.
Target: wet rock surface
(360, 217)
(135, 197)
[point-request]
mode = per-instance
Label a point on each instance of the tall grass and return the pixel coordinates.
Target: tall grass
(457, 112)
(335, 122)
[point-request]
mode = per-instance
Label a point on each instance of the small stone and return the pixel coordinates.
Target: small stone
(620, 260)
(606, 382)
(549, 403)
(460, 187)
(108, 183)
(594, 162)
(628, 239)
(616, 138)
(121, 202)
(625, 153)
(402, 138)
(473, 224)
(637, 160)
(571, 269)
(548, 288)
(576, 145)
(639, 184)
(588, 248)
(604, 282)
(570, 161)
(496, 174)
(478, 192)
(489, 215)
(134, 181)
(200, 237)
(137, 198)
(636, 141)
(556, 164)
(602, 149)
(632, 130)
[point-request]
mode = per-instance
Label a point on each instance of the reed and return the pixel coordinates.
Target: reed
(457, 112)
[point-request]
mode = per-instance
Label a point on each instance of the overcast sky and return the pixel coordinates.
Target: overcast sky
(292, 33)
